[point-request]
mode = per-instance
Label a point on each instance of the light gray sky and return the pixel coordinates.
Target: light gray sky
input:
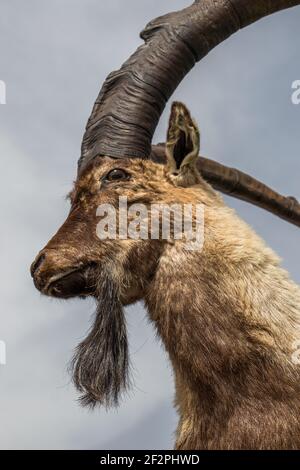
(54, 57)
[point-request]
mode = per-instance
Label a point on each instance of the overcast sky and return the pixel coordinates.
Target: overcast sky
(54, 57)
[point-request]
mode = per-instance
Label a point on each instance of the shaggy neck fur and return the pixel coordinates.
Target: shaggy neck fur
(228, 317)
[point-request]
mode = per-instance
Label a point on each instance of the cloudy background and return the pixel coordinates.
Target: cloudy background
(54, 57)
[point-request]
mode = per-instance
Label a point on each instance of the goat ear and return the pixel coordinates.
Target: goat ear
(183, 139)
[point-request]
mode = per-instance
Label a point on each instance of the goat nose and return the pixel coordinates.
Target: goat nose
(37, 263)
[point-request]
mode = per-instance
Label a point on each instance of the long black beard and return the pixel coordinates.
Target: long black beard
(100, 365)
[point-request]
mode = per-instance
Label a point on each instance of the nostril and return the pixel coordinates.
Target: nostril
(36, 264)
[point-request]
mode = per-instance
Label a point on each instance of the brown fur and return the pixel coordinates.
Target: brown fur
(228, 315)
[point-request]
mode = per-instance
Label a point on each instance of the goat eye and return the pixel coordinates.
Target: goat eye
(116, 175)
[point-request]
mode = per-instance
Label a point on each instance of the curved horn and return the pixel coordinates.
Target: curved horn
(130, 103)
(132, 99)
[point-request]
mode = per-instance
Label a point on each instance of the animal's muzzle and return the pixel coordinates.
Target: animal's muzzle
(59, 277)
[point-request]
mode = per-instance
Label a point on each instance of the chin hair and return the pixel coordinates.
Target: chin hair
(100, 365)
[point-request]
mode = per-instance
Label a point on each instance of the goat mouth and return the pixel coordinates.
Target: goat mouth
(76, 282)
